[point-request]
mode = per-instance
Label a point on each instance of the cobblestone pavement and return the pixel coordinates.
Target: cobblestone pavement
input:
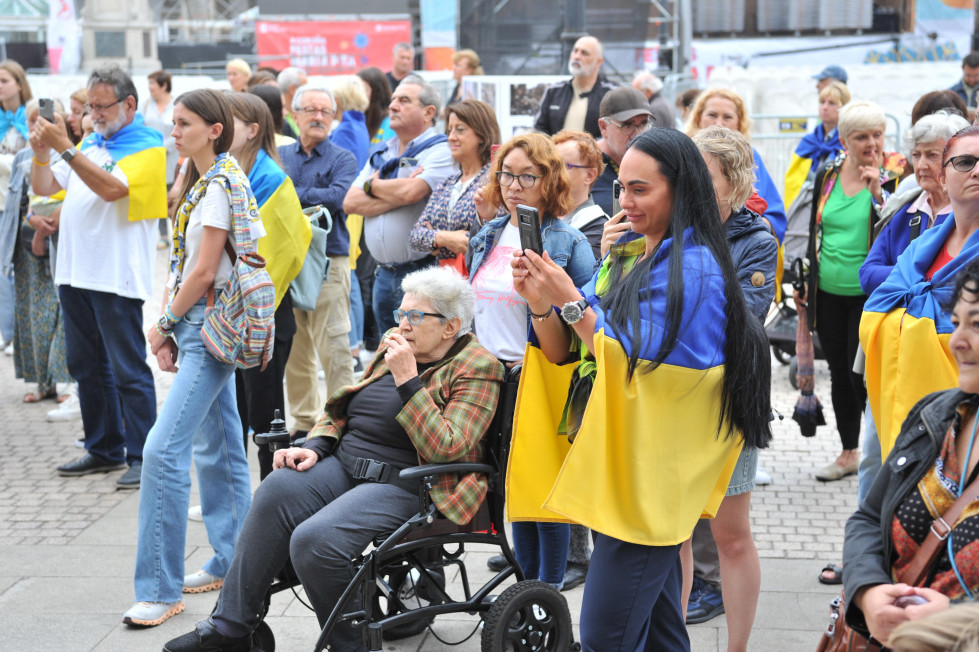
(68, 546)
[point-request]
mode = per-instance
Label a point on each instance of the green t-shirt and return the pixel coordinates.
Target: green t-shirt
(846, 230)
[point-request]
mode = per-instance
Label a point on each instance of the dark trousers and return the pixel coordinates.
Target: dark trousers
(365, 278)
(542, 550)
(632, 599)
(387, 290)
(838, 326)
(321, 519)
(260, 393)
(106, 354)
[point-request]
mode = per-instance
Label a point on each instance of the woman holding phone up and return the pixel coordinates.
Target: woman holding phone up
(527, 170)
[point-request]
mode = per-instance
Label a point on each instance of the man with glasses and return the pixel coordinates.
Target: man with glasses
(624, 115)
(574, 104)
(322, 172)
(115, 186)
(393, 188)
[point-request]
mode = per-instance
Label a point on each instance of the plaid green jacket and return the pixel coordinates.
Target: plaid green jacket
(445, 420)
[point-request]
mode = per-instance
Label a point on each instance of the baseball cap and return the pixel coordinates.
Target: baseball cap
(836, 72)
(623, 103)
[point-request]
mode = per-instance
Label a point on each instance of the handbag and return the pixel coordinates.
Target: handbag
(305, 288)
(840, 637)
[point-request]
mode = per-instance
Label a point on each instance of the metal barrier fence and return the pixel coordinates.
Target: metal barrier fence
(776, 136)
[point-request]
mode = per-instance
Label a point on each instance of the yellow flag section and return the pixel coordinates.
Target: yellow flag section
(146, 173)
(906, 360)
(647, 462)
(536, 450)
(287, 230)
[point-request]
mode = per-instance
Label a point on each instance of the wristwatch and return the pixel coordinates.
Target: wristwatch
(68, 154)
(573, 311)
(367, 187)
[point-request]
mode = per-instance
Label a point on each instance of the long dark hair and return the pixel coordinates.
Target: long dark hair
(747, 362)
(377, 110)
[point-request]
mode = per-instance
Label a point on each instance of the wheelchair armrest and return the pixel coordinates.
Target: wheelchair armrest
(418, 473)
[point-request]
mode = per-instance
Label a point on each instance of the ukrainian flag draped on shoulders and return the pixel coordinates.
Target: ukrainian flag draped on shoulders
(138, 151)
(904, 331)
(288, 231)
(813, 149)
(647, 462)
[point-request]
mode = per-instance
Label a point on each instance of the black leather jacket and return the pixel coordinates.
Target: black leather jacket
(868, 551)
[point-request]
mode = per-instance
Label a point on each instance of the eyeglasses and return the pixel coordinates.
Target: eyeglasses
(101, 108)
(525, 180)
(575, 166)
(414, 316)
(963, 162)
(312, 110)
(631, 127)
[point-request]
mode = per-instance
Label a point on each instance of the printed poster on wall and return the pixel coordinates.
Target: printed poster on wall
(329, 47)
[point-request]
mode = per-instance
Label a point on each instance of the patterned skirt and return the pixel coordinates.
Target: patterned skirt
(39, 335)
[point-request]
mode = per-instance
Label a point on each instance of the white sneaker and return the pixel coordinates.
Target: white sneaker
(9, 349)
(201, 582)
(67, 410)
(150, 614)
(762, 477)
(194, 513)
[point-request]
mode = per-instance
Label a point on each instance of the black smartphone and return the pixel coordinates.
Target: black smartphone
(45, 108)
(528, 221)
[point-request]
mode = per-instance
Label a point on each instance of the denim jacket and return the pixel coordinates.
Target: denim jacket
(10, 223)
(566, 245)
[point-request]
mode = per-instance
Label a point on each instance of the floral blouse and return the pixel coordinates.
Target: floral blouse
(438, 216)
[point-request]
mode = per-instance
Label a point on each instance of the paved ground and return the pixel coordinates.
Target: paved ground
(67, 547)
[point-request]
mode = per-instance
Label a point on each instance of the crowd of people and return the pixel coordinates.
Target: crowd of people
(661, 254)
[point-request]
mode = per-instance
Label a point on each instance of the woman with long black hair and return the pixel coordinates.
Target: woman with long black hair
(680, 361)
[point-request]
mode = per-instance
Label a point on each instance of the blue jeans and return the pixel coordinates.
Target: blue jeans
(870, 458)
(356, 311)
(199, 418)
(542, 550)
(7, 293)
(106, 355)
(387, 290)
(632, 599)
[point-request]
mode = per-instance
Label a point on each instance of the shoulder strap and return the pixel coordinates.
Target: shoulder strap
(921, 564)
(228, 249)
(915, 225)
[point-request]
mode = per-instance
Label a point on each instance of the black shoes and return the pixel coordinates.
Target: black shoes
(574, 576)
(207, 638)
(496, 563)
(87, 464)
(130, 479)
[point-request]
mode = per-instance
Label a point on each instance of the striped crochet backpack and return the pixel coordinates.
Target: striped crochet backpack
(240, 328)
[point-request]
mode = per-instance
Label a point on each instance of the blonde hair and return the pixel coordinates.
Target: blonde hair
(588, 149)
(733, 153)
(836, 91)
(473, 58)
(697, 112)
(239, 64)
(860, 115)
(955, 629)
(17, 72)
(349, 93)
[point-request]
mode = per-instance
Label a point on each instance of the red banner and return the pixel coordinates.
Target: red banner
(329, 47)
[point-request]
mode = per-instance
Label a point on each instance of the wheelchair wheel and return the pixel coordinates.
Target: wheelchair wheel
(530, 615)
(262, 638)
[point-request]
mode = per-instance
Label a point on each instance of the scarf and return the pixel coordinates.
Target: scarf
(16, 119)
(389, 169)
(815, 147)
(243, 208)
(134, 137)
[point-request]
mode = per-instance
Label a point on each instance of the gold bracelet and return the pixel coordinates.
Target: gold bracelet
(38, 163)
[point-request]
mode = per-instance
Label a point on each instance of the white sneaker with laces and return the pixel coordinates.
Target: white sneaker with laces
(151, 614)
(68, 410)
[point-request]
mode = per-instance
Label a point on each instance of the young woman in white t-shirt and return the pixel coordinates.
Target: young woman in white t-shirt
(526, 170)
(199, 418)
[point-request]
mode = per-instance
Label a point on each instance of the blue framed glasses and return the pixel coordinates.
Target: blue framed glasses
(414, 316)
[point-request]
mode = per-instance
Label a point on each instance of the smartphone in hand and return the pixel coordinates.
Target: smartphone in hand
(45, 108)
(528, 221)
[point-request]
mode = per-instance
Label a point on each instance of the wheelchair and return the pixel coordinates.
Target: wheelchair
(400, 582)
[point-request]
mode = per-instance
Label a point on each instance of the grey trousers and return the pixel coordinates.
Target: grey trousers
(579, 552)
(321, 519)
(706, 562)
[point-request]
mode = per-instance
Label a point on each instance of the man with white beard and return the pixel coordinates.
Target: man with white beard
(573, 104)
(115, 185)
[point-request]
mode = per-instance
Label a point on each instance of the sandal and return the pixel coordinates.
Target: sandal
(37, 397)
(837, 574)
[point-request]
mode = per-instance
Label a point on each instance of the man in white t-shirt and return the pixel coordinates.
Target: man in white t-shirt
(115, 186)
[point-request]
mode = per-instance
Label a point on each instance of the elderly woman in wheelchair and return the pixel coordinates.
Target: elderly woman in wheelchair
(428, 396)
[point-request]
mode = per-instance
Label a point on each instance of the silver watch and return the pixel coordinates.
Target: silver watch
(573, 311)
(68, 154)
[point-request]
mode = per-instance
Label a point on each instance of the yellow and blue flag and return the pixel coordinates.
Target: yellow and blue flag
(904, 331)
(287, 229)
(648, 461)
(814, 148)
(138, 151)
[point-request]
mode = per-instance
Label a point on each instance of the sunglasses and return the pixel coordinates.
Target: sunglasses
(962, 162)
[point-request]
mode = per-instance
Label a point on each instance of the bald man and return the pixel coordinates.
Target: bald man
(573, 104)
